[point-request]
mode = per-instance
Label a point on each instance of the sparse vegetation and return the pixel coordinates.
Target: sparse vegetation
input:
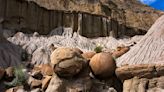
(98, 49)
(19, 79)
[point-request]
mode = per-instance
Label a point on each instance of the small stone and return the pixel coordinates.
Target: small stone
(9, 73)
(46, 69)
(56, 85)
(120, 51)
(34, 82)
(14, 89)
(88, 55)
(36, 73)
(45, 82)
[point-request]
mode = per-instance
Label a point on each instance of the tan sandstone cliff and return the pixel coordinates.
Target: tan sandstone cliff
(90, 18)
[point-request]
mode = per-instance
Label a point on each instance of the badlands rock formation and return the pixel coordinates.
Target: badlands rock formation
(39, 47)
(90, 18)
(149, 50)
(52, 24)
(10, 54)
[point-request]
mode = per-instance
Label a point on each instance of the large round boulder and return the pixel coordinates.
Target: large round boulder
(102, 65)
(67, 62)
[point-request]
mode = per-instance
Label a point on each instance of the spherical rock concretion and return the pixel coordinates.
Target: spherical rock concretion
(67, 62)
(102, 65)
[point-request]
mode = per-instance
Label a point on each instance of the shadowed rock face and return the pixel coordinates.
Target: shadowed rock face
(149, 49)
(10, 54)
(90, 18)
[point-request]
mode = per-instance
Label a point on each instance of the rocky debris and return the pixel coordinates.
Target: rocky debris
(2, 73)
(15, 89)
(42, 70)
(140, 71)
(46, 69)
(79, 84)
(108, 85)
(56, 85)
(149, 50)
(67, 62)
(36, 83)
(45, 82)
(144, 85)
(103, 65)
(9, 73)
(120, 51)
(88, 55)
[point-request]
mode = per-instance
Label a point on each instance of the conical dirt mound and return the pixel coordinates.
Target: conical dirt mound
(150, 49)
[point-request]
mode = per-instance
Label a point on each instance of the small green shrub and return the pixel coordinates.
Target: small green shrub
(20, 78)
(98, 49)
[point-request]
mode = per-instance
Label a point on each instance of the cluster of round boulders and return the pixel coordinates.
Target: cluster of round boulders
(102, 65)
(67, 62)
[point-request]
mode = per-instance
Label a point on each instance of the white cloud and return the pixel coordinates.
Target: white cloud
(148, 1)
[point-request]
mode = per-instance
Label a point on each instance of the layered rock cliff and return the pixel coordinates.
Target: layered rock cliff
(90, 18)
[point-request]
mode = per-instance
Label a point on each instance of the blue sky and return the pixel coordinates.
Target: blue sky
(157, 4)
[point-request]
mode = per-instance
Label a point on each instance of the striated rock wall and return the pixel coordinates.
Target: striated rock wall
(10, 54)
(88, 18)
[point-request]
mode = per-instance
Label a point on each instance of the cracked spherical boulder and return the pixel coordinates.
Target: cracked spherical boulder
(67, 62)
(102, 65)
